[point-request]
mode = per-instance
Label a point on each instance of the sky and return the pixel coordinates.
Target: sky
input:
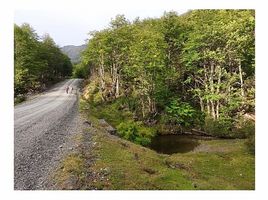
(69, 22)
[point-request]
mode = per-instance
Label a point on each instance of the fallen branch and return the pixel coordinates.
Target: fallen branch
(200, 132)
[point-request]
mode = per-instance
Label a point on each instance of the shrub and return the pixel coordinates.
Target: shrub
(97, 98)
(133, 131)
(183, 114)
(19, 99)
(80, 71)
(246, 129)
(220, 128)
(228, 127)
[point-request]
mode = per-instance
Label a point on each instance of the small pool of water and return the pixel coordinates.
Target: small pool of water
(169, 144)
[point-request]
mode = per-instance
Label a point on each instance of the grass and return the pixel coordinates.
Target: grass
(136, 167)
(122, 165)
(108, 111)
(72, 173)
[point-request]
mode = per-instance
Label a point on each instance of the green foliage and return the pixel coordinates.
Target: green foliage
(19, 99)
(206, 57)
(231, 128)
(246, 129)
(131, 131)
(181, 113)
(219, 128)
(38, 62)
(80, 71)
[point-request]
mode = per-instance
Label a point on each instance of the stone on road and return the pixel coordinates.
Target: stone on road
(42, 127)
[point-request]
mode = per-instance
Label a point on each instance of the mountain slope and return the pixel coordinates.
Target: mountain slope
(73, 52)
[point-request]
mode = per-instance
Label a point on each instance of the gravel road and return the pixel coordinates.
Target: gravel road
(43, 126)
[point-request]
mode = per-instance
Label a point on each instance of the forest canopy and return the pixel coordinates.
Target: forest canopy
(38, 61)
(191, 70)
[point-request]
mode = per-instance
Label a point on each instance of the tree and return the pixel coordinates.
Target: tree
(38, 62)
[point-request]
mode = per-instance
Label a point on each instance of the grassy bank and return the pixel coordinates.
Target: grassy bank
(223, 164)
(112, 163)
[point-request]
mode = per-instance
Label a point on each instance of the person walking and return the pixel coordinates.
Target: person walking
(67, 89)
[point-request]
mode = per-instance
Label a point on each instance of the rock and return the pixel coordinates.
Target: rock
(149, 171)
(102, 122)
(124, 144)
(180, 166)
(88, 123)
(107, 127)
(106, 171)
(111, 130)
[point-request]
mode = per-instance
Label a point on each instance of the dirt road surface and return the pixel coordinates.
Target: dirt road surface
(43, 126)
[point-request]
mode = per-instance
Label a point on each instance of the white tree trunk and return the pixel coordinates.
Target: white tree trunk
(241, 79)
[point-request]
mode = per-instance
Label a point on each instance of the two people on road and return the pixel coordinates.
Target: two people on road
(69, 89)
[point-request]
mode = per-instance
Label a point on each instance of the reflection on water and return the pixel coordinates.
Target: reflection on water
(169, 144)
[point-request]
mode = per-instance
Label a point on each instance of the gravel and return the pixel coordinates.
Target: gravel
(44, 128)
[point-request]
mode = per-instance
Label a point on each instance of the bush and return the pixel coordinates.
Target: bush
(133, 131)
(220, 128)
(80, 71)
(183, 114)
(247, 130)
(97, 98)
(19, 99)
(228, 127)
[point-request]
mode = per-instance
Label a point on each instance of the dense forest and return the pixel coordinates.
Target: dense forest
(38, 62)
(176, 73)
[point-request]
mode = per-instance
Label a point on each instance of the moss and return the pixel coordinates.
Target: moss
(72, 173)
(217, 164)
(224, 165)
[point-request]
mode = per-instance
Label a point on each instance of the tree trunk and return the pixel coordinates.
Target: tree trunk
(117, 87)
(241, 79)
(218, 92)
(211, 82)
(201, 104)
(213, 109)
(206, 89)
(101, 73)
(142, 108)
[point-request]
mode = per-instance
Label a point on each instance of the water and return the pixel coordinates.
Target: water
(169, 144)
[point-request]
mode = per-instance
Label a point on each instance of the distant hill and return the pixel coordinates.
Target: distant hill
(73, 52)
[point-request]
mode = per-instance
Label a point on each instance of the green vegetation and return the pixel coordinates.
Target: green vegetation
(120, 164)
(196, 71)
(135, 132)
(117, 114)
(135, 167)
(38, 62)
